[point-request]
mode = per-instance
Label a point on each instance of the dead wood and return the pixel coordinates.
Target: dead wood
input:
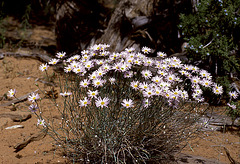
(17, 100)
(35, 137)
(38, 56)
(16, 117)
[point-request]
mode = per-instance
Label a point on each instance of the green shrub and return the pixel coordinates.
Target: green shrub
(212, 34)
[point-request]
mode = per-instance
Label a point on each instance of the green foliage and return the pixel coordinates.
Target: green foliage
(2, 30)
(210, 33)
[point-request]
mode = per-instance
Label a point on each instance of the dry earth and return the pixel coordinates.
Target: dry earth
(22, 74)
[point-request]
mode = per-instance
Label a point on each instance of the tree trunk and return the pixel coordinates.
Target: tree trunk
(127, 23)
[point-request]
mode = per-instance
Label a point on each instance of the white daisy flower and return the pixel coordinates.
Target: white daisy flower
(33, 97)
(43, 67)
(146, 74)
(161, 54)
(65, 94)
(233, 94)
(146, 50)
(41, 122)
(128, 103)
(60, 54)
(102, 102)
(84, 102)
(92, 94)
(112, 80)
(53, 61)
(98, 82)
(84, 83)
(12, 92)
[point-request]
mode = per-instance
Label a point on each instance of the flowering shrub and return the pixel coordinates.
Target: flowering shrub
(125, 107)
(233, 109)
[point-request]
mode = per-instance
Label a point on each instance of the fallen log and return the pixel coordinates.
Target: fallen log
(35, 137)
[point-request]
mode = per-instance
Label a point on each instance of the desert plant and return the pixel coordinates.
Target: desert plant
(212, 34)
(124, 107)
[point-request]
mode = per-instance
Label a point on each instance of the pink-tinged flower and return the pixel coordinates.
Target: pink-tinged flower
(134, 84)
(33, 108)
(93, 76)
(12, 93)
(92, 94)
(146, 74)
(33, 97)
(43, 67)
(84, 102)
(123, 67)
(162, 72)
(143, 85)
(146, 50)
(102, 102)
(41, 122)
(79, 70)
(112, 80)
(170, 77)
(233, 94)
(65, 94)
(88, 64)
(129, 60)
(100, 62)
(84, 83)
(184, 95)
(75, 64)
(146, 103)
(175, 61)
(76, 57)
(105, 67)
(187, 67)
(206, 83)
(128, 103)
(156, 79)
(60, 54)
(198, 90)
(148, 92)
(128, 74)
(104, 53)
(218, 90)
(100, 72)
(53, 61)
(67, 69)
(84, 52)
(195, 69)
(164, 67)
(195, 80)
(204, 74)
(161, 54)
(98, 82)
(148, 62)
(131, 49)
(232, 106)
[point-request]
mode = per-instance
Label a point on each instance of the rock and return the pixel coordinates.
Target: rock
(186, 158)
(17, 116)
(14, 127)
